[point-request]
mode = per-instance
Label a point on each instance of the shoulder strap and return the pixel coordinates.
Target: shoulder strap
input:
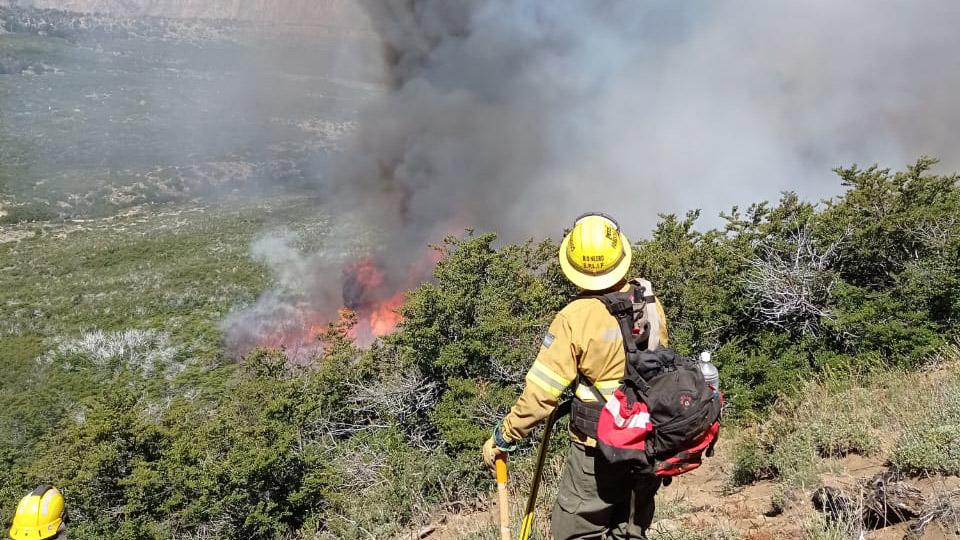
(639, 299)
(621, 306)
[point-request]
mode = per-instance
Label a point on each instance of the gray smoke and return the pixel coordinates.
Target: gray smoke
(516, 116)
(286, 315)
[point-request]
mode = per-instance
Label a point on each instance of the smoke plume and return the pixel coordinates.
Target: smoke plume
(517, 116)
(523, 114)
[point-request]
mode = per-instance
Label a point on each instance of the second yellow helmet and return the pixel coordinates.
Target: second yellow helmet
(39, 515)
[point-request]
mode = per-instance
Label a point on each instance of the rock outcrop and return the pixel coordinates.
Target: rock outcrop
(336, 12)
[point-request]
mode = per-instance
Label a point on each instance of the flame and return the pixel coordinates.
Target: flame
(296, 334)
(385, 318)
(365, 292)
(371, 301)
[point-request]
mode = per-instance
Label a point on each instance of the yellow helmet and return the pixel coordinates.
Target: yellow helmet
(595, 255)
(39, 515)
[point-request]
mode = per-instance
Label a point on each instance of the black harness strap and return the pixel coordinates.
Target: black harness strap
(586, 415)
(621, 306)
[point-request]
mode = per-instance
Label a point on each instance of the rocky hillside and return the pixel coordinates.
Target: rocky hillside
(337, 12)
(853, 457)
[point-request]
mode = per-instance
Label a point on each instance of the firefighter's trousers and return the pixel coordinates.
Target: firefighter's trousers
(598, 500)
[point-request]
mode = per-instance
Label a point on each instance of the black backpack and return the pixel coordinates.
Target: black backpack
(663, 415)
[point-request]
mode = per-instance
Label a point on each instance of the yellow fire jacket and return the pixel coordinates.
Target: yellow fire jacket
(583, 338)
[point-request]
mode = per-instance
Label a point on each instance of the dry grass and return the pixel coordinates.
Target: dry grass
(663, 531)
(912, 419)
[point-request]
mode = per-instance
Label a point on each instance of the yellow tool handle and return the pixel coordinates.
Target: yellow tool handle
(501, 470)
(503, 496)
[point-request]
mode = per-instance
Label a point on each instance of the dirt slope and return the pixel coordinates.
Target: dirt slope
(701, 504)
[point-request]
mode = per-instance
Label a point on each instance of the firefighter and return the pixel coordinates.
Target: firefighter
(584, 343)
(41, 515)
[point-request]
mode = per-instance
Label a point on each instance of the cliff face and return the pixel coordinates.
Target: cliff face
(270, 11)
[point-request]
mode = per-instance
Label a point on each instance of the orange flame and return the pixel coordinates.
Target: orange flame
(370, 301)
(365, 292)
(384, 317)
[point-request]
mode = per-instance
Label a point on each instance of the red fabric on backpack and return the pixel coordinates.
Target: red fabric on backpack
(623, 432)
(624, 428)
(689, 459)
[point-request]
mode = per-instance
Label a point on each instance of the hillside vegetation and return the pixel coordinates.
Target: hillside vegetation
(101, 115)
(119, 391)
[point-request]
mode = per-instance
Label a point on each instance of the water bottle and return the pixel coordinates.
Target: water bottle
(710, 373)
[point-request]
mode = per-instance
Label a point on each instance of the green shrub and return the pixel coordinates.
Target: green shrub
(928, 449)
(751, 460)
(31, 212)
(853, 413)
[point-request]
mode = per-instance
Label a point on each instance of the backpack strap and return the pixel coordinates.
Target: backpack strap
(641, 304)
(638, 304)
(621, 306)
